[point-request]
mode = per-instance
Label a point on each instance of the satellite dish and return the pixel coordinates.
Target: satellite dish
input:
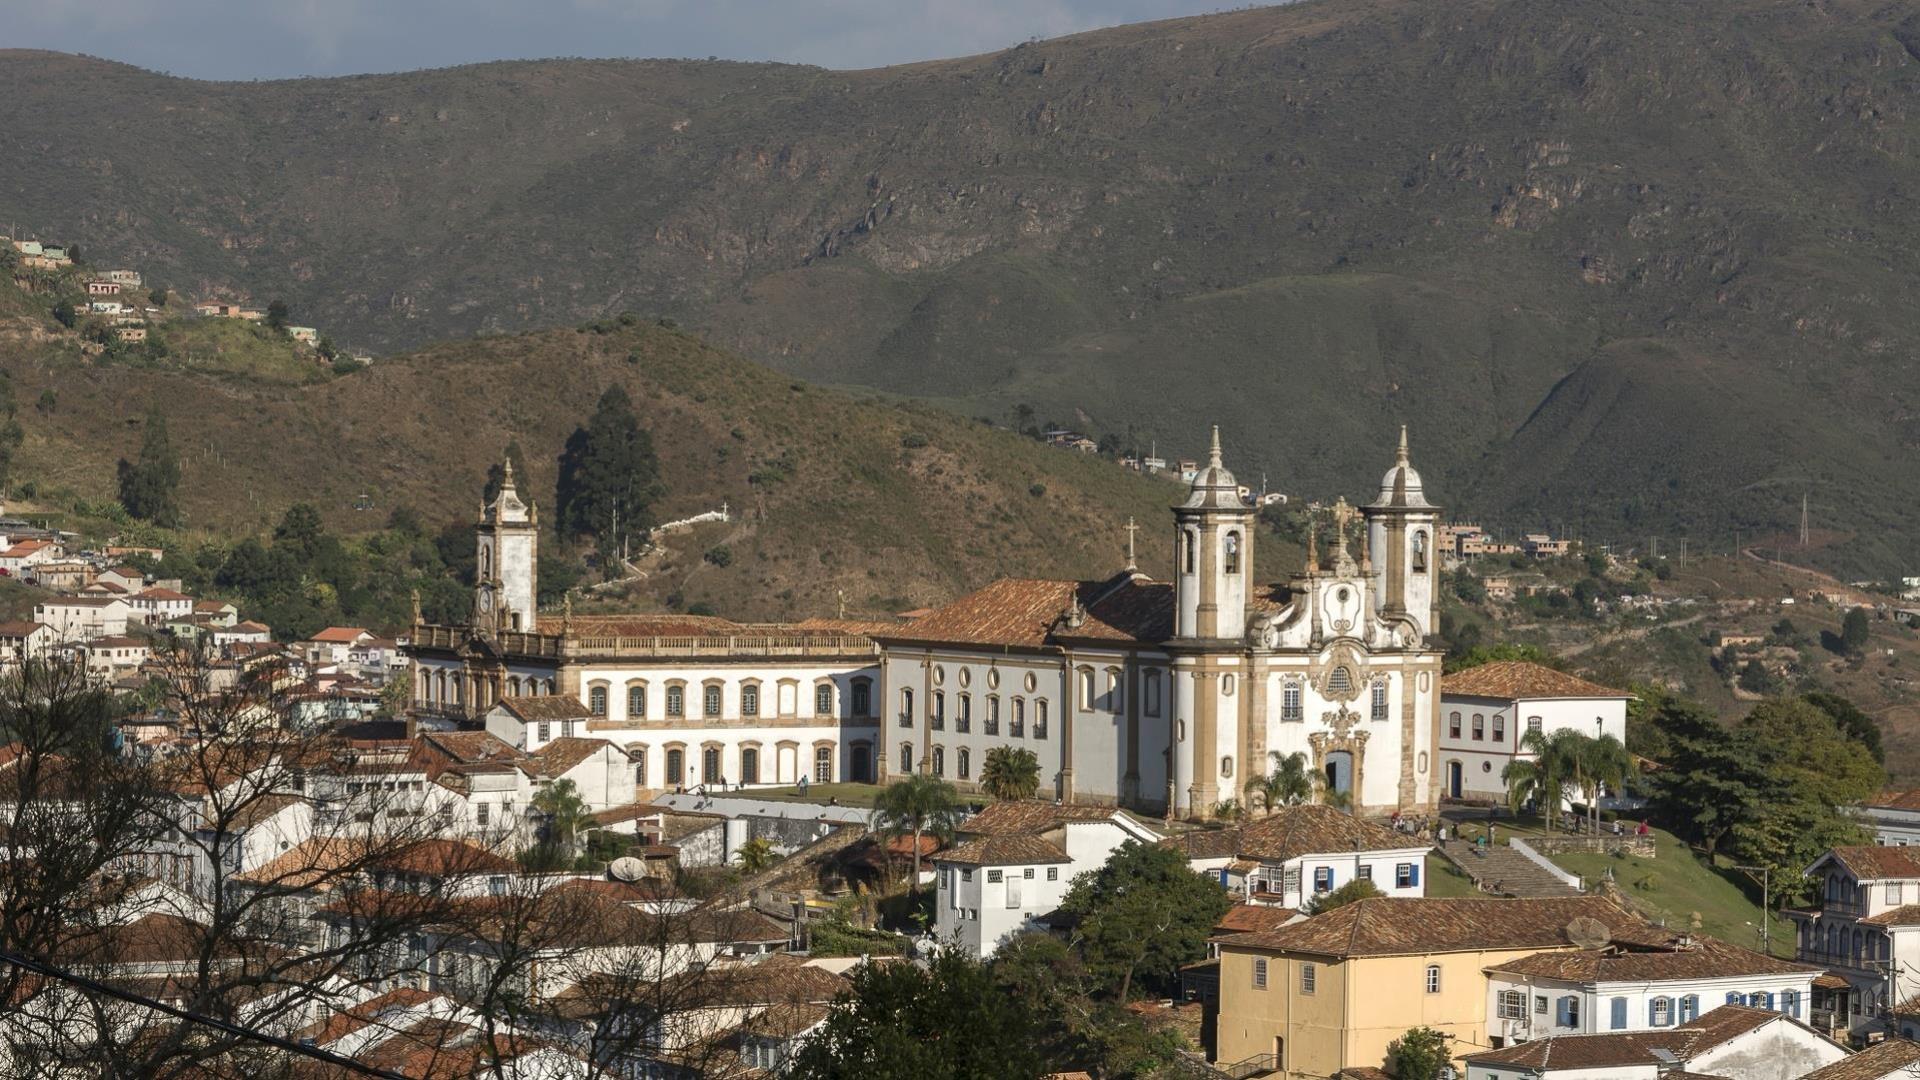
(627, 868)
(1588, 933)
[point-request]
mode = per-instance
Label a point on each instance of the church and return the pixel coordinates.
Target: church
(1171, 697)
(1165, 697)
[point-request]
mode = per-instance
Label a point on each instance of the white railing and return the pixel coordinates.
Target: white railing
(1526, 852)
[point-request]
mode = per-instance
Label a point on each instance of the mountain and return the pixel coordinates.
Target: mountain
(1628, 269)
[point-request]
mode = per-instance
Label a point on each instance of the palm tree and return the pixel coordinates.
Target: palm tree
(1607, 764)
(1010, 773)
(756, 855)
(1290, 782)
(565, 810)
(920, 804)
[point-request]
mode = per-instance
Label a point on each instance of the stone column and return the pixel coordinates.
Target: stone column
(1068, 710)
(1135, 682)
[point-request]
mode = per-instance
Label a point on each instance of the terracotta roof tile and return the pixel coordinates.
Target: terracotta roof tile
(1905, 915)
(1385, 927)
(1029, 613)
(1509, 679)
(1704, 958)
(1009, 849)
(1205, 843)
(342, 635)
(561, 755)
(1627, 1048)
(1292, 831)
(1030, 816)
(1873, 863)
(529, 710)
(1254, 918)
(1892, 1057)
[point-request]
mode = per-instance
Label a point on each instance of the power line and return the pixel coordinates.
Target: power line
(94, 985)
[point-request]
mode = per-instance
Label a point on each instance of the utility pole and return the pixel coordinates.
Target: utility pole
(1766, 897)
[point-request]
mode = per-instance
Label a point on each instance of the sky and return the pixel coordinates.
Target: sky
(261, 39)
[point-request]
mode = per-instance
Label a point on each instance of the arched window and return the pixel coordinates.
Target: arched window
(1290, 707)
(1116, 692)
(639, 765)
(1660, 1012)
(1019, 724)
(1433, 978)
(1226, 766)
(1150, 690)
(1761, 1000)
(1419, 551)
(636, 701)
(1230, 547)
(676, 701)
(964, 722)
(710, 699)
(597, 700)
(939, 710)
(676, 765)
(906, 707)
(1479, 727)
(862, 697)
(823, 699)
(750, 699)
(966, 764)
(823, 764)
(906, 758)
(1040, 718)
(1379, 700)
(1340, 681)
(1190, 545)
(1689, 1008)
(1453, 725)
(1086, 689)
(939, 761)
(749, 765)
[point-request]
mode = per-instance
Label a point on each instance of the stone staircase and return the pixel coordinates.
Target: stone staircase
(1502, 871)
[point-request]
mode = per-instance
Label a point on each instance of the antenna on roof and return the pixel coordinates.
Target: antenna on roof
(1587, 932)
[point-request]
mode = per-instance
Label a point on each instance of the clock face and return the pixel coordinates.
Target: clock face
(486, 599)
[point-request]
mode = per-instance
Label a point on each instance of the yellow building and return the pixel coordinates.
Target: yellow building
(1332, 992)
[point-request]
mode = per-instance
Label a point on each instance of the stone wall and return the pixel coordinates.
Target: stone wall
(1639, 846)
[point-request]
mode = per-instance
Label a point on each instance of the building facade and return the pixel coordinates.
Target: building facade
(1488, 711)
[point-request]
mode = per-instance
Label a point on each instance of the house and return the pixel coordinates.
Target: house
(1894, 817)
(600, 771)
(106, 307)
(62, 576)
(115, 656)
(1736, 1042)
(215, 612)
(28, 247)
(1013, 862)
(157, 605)
(1333, 991)
(84, 618)
(1298, 852)
(128, 278)
(250, 633)
(20, 641)
(306, 335)
(103, 288)
(1544, 546)
(1725, 640)
(529, 723)
(1488, 710)
(115, 551)
(331, 646)
(1867, 917)
(16, 559)
(130, 333)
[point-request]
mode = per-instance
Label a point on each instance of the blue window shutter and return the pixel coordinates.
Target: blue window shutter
(1733, 998)
(1619, 1014)
(1566, 1012)
(1414, 873)
(1690, 1007)
(1650, 1012)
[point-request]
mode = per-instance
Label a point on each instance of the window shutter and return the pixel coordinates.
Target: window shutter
(1413, 875)
(1689, 1007)
(1619, 1014)
(1652, 1019)
(1733, 998)
(1564, 1014)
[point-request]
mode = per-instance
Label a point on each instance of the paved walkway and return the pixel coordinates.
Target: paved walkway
(1502, 871)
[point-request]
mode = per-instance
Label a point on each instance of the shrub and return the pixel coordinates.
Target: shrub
(1036, 490)
(720, 555)
(913, 440)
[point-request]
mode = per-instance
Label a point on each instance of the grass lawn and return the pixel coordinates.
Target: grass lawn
(1445, 879)
(1678, 884)
(847, 794)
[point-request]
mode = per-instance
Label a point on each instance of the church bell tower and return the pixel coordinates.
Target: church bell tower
(1400, 540)
(508, 538)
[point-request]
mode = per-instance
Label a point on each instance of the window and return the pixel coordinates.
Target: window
(1569, 1011)
(823, 700)
(637, 702)
(1761, 1000)
(710, 701)
(749, 765)
(1419, 552)
(1618, 1008)
(1893, 892)
(1226, 685)
(1540, 1004)
(1340, 681)
(481, 811)
(1513, 1005)
(1189, 543)
(1433, 978)
(993, 877)
(1086, 689)
(750, 699)
(1453, 725)
(965, 771)
(545, 730)
(1533, 724)
(993, 714)
(906, 707)
(823, 765)
(1018, 729)
(1306, 978)
(1406, 875)
(1040, 719)
(1790, 1002)
(939, 710)
(1479, 727)
(676, 701)
(1379, 699)
(1499, 727)
(1259, 973)
(1231, 548)
(1322, 879)
(1150, 689)
(597, 701)
(710, 769)
(1365, 871)
(1290, 702)
(676, 766)
(1053, 873)
(1660, 1012)
(939, 761)
(964, 722)
(1116, 696)
(862, 697)
(906, 758)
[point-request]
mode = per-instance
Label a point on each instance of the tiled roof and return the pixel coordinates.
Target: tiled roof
(341, 635)
(307, 863)
(443, 858)
(1313, 828)
(1013, 849)
(539, 707)
(20, 629)
(1891, 1057)
(1029, 613)
(1508, 679)
(641, 625)
(1205, 843)
(1627, 1048)
(1896, 800)
(1254, 918)
(161, 594)
(466, 747)
(1383, 927)
(1703, 958)
(1030, 816)
(561, 755)
(1904, 915)
(1872, 863)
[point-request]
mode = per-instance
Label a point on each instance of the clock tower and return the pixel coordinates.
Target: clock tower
(505, 584)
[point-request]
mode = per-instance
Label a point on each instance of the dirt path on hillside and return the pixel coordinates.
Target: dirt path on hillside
(1634, 634)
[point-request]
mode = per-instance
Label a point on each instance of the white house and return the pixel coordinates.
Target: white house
(15, 560)
(1487, 710)
(1639, 986)
(1865, 928)
(250, 633)
(1298, 852)
(1894, 817)
(20, 641)
(158, 606)
(113, 657)
(1013, 864)
(332, 645)
(528, 723)
(1733, 1042)
(83, 618)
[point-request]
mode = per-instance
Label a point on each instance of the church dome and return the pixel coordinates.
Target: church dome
(1214, 486)
(1401, 488)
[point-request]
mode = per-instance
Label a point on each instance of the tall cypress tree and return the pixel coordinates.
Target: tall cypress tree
(497, 473)
(147, 487)
(609, 476)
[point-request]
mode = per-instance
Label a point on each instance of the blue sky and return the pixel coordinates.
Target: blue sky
(246, 39)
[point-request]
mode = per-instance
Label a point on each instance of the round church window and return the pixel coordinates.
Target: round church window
(1031, 682)
(993, 678)
(1486, 766)
(939, 675)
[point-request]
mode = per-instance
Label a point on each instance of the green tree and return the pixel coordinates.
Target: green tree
(497, 473)
(49, 401)
(300, 531)
(1420, 1054)
(1010, 773)
(1852, 722)
(148, 485)
(64, 314)
(1142, 914)
(918, 806)
(1756, 679)
(1854, 632)
(609, 478)
(565, 812)
(277, 315)
(1357, 889)
(1809, 773)
(11, 433)
(1289, 783)
(157, 297)
(1541, 777)
(755, 855)
(1710, 779)
(947, 1022)
(1487, 654)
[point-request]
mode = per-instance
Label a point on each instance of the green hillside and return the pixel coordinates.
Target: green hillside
(1626, 268)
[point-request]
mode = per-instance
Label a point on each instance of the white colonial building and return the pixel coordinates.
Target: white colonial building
(1732, 1041)
(1489, 710)
(696, 701)
(1864, 929)
(1171, 697)
(1299, 852)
